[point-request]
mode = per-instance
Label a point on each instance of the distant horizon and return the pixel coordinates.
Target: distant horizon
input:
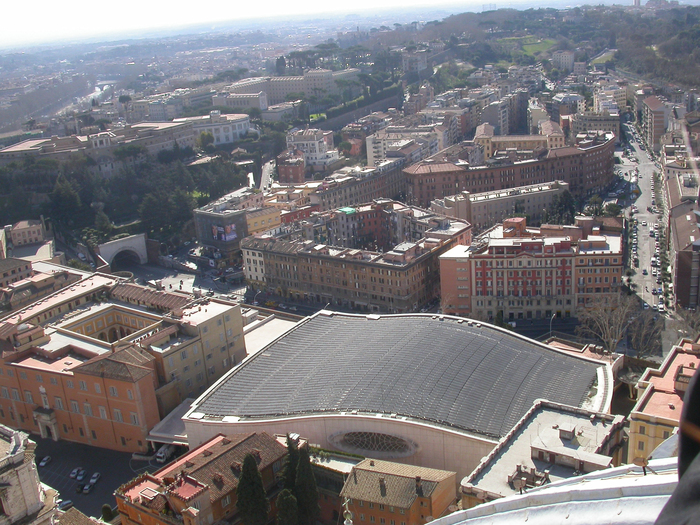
(22, 28)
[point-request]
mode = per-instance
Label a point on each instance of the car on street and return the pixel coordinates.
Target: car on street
(74, 473)
(645, 272)
(645, 306)
(662, 309)
(644, 223)
(45, 461)
(95, 478)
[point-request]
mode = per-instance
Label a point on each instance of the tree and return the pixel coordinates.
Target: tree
(280, 66)
(107, 514)
(124, 99)
(562, 210)
(102, 223)
(645, 334)
(289, 474)
(252, 501)
(205, 138)
(607, 319)
(595, 205)
(612, 210)
(287, 508)
(306, 490)
(65, 201)
(345, 147)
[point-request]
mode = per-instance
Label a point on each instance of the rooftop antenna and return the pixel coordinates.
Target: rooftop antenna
(644, 463)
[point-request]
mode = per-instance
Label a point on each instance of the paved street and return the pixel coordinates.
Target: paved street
(116, 468)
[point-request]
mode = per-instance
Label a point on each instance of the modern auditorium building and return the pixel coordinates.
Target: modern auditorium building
(430, 390)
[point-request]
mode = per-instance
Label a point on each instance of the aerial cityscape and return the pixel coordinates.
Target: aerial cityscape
(358, 265)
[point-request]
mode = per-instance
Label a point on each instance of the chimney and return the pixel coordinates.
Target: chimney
(382, 483)
(418, 484)
(371, 462)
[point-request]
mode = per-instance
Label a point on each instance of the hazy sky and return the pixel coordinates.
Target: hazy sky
(42, 21)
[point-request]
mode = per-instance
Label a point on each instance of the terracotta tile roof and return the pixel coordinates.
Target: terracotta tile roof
(74, 517)
(654, 103)
(218, 462)
(432, 167)
(126, 364)
(400, 486)
(134, 293)
(11, 263)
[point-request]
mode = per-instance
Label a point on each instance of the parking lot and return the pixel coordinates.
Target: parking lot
(116, 468)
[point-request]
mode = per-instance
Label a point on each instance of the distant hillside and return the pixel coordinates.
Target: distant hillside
(662, 45)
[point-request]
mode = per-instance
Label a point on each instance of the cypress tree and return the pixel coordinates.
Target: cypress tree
(287, 508)
(252, 501)
(306, 490)
(290, 467)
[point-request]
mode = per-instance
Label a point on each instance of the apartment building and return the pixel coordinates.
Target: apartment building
(316, 145)
(291, 167)
(262, 219)
(654, 121)
(385, 144)
(563, 60)
(398, 280)
(162, 107)
(241, 100)
(414, 61)
(586, 167)
(530, 273)
(24, 498)
(200, 487)
(590, 121)
(535, 113)
(380, 491)
(565, 104)
(27, 232)
(225, 129)
(550, 136)
(314, 82)
(350, 185)
(14, 270)
(484, 210)
(660, 392)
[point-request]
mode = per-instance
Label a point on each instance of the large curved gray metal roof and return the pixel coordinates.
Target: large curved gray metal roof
(478, 379)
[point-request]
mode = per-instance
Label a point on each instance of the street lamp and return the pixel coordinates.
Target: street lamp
(256, 297)
(550, 323)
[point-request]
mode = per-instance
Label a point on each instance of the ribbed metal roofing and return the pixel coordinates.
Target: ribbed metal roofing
(478, 379)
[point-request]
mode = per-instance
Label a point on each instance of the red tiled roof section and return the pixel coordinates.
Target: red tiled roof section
(158, 298)
(432, 167)
(128, 364)
(654, 103)
(217, 462)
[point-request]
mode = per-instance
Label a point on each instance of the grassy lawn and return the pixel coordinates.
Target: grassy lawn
(604, 58)
(535, 48)
(531, 45)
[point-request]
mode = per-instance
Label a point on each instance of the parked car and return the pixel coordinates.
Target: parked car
(65, 505)
(81, 475)
(95, 478)
(45, 461)
(88, 488)
(75, 472)
(79, 488)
